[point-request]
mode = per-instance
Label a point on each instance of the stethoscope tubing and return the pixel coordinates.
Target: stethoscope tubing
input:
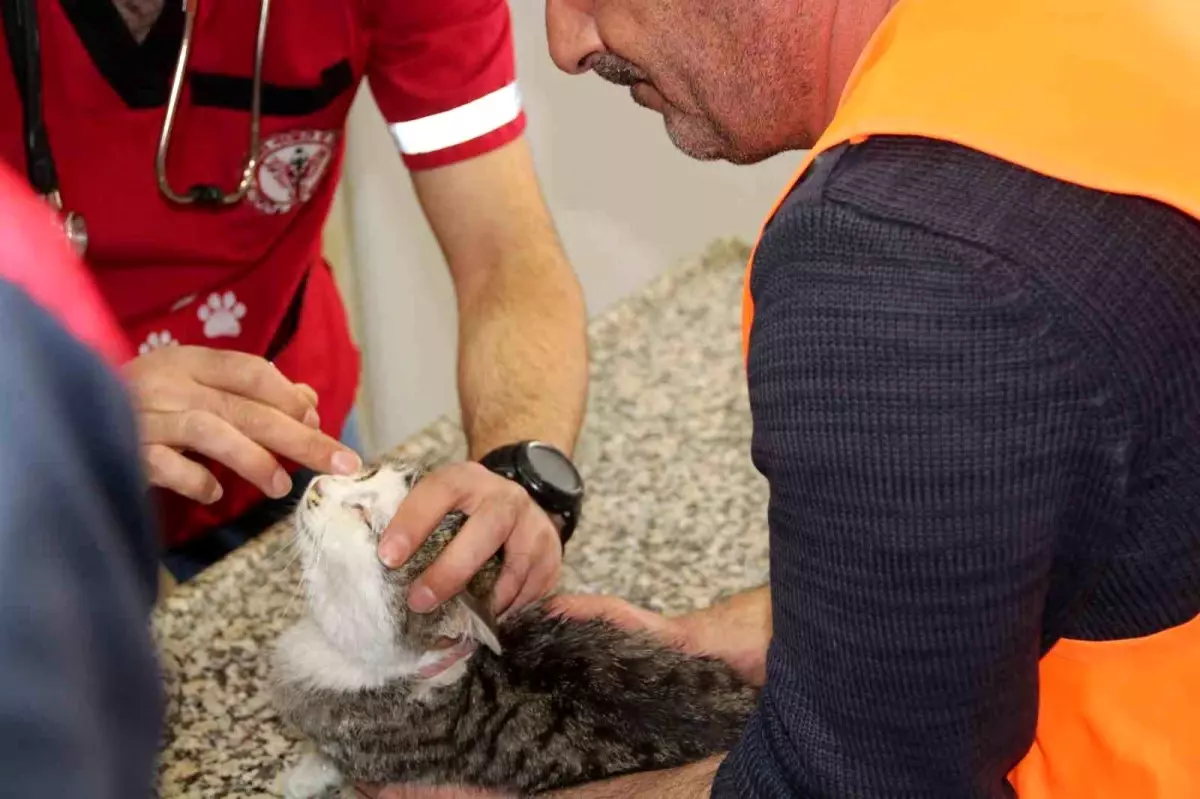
(24, 45)
(210, 195)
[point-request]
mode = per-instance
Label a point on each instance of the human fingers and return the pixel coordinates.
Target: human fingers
(252, 377)
(208, 434)
(623, 614)
(532, 563)
(309, 392)
(445, 490)
(283, 435)
(171, 470)
(490, 525)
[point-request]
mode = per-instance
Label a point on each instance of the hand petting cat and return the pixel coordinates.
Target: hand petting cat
(736, 630)
(502, 514)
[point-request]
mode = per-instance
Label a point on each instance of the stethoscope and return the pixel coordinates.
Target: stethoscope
(24, 47)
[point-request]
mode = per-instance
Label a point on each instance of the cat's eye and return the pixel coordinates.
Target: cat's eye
(362, 511)
(367, 475)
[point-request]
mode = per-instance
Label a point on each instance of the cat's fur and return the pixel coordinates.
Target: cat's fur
(543, 703)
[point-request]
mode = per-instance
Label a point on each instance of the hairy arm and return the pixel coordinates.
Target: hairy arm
(737, 630)
(522, 362)
(687, 782)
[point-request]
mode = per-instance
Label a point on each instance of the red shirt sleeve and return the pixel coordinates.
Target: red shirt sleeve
(444, 75)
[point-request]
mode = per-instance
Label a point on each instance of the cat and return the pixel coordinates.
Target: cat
(535, 703)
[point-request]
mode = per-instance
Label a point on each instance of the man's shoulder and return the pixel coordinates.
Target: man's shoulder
(952, 191)
(1092, 251)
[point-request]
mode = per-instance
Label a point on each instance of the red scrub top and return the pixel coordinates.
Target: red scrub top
(251, 277)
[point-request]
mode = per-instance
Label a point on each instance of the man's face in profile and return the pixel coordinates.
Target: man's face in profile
(711, 68)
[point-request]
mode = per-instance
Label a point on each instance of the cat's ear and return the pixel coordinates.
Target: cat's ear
(476, 621)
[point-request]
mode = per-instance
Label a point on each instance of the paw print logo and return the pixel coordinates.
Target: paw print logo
(157, 340)
(222, 315)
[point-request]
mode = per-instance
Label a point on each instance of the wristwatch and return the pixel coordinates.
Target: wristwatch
(547, 474)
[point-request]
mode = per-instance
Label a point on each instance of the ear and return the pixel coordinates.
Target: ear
(476, 622)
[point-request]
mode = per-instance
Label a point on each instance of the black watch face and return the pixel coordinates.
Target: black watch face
(552, 468)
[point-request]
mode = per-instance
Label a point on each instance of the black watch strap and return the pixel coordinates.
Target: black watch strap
(507, 462)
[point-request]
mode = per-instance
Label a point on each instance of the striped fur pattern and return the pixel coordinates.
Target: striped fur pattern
(548, 703)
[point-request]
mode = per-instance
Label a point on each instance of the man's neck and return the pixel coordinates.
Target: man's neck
(139, 15)
(853, 24)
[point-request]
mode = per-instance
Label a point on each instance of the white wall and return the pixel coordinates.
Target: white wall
(627, 204)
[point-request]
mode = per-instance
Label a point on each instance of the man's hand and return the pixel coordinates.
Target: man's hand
(234, 408)
(502, 514)
(627, 616)
(736, 631)
(693, 781)
(428, 792)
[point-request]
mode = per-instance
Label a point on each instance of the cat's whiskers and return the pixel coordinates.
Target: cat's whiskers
(315, 566)
(278, 553)
(302, 583)
(295, 593)
(297, 548)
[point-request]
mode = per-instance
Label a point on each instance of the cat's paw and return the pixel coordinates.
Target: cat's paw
(314, 777)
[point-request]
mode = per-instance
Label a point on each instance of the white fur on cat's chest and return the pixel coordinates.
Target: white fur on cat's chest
(314, 777)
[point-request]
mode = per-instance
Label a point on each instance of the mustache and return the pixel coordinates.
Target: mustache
(615, 69)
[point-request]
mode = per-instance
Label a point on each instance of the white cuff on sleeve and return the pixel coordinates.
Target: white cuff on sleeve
(458, 125)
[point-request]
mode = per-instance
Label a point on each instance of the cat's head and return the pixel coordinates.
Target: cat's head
(357, 602)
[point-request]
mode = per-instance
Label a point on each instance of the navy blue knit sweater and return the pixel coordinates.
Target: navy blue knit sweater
(976, 396)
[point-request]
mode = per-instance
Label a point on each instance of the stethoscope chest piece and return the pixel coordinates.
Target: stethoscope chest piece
(77, 233)
(73, 224)
(21, 33)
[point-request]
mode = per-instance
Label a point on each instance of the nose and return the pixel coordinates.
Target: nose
(571, 30)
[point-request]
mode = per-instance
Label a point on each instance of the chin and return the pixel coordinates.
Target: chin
(704, 143)
(701, 148)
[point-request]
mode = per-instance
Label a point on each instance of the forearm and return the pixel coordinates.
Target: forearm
(737, 630)
(522, 368)
(688, 782)
(522, 360)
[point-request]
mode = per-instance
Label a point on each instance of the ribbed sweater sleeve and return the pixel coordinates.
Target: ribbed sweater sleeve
(923, 415)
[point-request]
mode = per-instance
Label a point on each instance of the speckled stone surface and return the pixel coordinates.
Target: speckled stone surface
(675, 517)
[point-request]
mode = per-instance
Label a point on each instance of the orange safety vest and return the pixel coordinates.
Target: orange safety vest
(1104, 94)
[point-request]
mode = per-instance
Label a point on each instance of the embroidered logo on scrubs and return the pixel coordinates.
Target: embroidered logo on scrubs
(290, 169)
(157, 340)
(222, 315)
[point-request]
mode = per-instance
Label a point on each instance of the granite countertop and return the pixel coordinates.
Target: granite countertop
(675, 517)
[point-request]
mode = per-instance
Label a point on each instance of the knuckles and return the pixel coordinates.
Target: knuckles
(196, 426)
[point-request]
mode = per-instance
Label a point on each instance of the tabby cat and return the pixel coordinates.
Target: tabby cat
(535, 703)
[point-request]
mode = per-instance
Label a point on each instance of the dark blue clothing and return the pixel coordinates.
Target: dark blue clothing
(80, 702)
(976, 398)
